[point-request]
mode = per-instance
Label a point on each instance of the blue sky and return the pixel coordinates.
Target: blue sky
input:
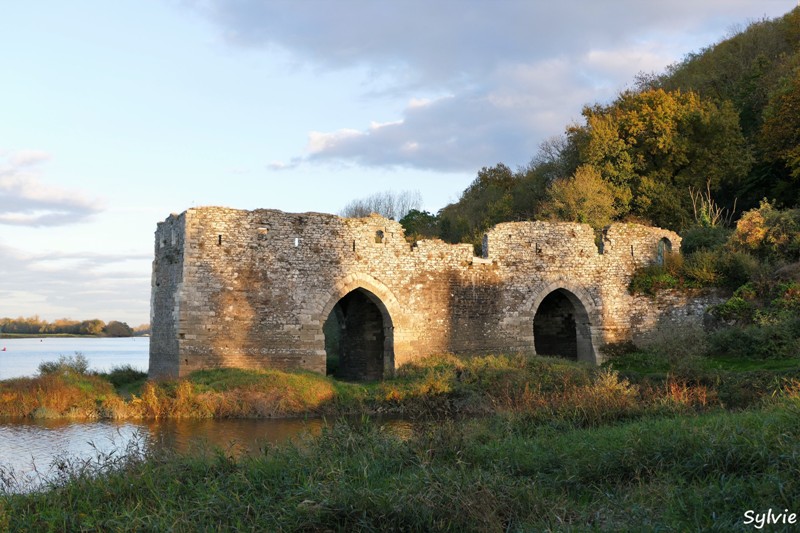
(116, 114)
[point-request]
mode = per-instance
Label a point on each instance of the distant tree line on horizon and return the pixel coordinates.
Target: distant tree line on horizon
(64, 326)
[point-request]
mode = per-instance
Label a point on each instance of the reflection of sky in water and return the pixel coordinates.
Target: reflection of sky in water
(29, 450)
(22, 356)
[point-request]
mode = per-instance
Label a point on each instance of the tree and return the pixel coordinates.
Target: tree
(749, 69)
(63, 325)
(420, 224)
(769, 233)
(584, 197)
(487, 201)
(92, 327)
(651, 146)
(780, 136)
(387, 204)
(142, 329)
(118, 329)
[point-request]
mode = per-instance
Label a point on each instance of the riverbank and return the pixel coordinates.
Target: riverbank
(503, 443)
(63, 336)
(512, 472)
(433, 387)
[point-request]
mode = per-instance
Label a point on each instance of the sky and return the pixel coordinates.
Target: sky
(115, 114)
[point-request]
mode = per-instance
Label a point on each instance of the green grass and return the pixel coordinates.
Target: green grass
(547, 444)
(651, 364)
(738, 364)
(641, 383)
(126, 379)
(503, 473)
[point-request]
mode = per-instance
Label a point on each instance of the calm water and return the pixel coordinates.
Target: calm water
(31, 451)
(22, 356)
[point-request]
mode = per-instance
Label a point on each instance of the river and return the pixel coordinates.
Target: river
(31, 450)
(22, 357)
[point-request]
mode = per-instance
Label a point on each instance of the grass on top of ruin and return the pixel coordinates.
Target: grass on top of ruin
(552, 390)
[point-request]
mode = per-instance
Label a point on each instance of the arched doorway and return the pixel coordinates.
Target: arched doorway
(561, 327)
(663, 250)
(358, 338)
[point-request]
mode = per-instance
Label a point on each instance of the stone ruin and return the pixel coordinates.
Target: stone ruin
(268, 289)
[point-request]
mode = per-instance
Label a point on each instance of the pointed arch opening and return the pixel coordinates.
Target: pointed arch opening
(663, 250)
(359, 343)
(561, 327)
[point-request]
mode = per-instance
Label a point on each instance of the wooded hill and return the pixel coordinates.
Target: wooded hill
(723, 122)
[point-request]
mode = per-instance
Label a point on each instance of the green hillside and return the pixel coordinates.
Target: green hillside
(725, 121)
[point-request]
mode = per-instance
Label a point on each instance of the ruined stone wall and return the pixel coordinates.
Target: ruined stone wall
(165, 296)
(253, 288)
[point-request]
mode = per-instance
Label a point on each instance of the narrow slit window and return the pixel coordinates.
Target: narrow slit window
(219, 240)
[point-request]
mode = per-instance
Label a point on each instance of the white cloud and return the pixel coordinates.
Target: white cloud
(114, 286)
(416, 103)
(319, 142)
(515, 71)
(27, 201)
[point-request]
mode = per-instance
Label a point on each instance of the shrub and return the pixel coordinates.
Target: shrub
(676, 344)
(124, 375)
(614, 350)
(651, 279)
(704, 238)
(746, 291)
(736, 309)
(673, 264)
(76, 364)
(779, 339)
(737, 268)
(769, 233)
(788, 297)
(701, 267)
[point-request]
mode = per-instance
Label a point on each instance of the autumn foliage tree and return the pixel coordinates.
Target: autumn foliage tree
(487, 201)
(118, 329)
(584, 198)
(725, 120)
(651, 146)
(769, 233)
(780, 135)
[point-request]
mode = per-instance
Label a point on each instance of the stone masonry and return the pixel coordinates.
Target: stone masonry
(253, 289)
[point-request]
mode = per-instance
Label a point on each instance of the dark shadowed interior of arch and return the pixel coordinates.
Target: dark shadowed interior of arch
(561, 327)
(663, 250)
(358, 338)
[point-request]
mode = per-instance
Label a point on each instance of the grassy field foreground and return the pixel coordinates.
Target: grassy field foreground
(502, 473)
(432, 387)
(671, 444)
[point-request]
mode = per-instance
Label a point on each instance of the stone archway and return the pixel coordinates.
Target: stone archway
(359, 338)
(562, 326)
(663, 249)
